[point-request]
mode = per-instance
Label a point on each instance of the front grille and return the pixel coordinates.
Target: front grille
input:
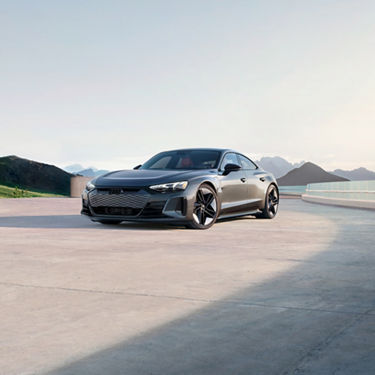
(118, 197)
(121, 211)
(116, 190)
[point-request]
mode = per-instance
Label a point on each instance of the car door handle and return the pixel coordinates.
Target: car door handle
(262, 179)
(243, 179)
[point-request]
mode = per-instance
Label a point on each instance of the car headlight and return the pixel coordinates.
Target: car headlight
(173, 186)
(90, 186)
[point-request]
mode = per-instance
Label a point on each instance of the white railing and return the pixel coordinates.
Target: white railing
(343, 193)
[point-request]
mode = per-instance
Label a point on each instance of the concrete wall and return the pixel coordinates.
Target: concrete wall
(340, 202)
(77, 185)
(358, 194)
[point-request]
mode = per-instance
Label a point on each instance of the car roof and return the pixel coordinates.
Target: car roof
(203, 149)
(221, 150)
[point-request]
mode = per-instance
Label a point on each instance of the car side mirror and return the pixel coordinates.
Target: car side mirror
(138, 166)
(231, 168)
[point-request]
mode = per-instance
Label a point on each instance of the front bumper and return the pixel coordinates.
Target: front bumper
(137, 205)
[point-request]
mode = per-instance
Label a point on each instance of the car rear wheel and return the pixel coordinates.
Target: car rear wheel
(271, 204)
(206, 208)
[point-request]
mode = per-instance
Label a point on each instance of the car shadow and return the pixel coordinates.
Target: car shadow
(238, 218)
(78, 221)
(74, 222)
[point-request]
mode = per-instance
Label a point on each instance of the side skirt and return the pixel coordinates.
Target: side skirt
(227, 216)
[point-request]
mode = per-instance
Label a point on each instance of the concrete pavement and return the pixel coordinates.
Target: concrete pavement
(294, 295)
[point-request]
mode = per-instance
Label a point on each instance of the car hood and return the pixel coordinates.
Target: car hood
(147, 177)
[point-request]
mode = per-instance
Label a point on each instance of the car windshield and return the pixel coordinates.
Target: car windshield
(184, 159)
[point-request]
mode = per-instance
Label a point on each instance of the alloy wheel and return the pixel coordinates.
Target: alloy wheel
(205, 207)
(273, 201)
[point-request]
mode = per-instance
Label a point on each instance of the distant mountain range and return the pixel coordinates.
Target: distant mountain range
(92, 172)
(31, 175)
(73, 168)
(359, 174)
(87, 172)
(308, 173)
(277, 165)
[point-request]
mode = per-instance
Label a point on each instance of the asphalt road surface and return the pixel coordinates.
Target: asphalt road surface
(293, 295)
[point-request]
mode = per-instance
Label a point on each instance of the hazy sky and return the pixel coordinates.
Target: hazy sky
(108, 83)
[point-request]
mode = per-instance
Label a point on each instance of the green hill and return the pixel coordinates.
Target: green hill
(33, 176)
(10, 192)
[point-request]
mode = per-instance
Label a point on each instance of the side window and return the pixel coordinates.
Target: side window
(246, 163)
(229, 158)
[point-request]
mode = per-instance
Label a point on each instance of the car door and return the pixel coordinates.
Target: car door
(234, 190)
(255, 183)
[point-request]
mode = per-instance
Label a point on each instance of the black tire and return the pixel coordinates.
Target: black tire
(109, 222)
(271, 203)
(206, 208)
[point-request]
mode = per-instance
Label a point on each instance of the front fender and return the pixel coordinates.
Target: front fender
(191, 191)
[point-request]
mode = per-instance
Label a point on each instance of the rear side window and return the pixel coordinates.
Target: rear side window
(246, 163)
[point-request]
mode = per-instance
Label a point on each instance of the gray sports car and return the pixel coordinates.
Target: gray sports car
(192, 187)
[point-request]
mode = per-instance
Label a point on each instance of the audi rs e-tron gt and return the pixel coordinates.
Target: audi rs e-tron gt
(191, 187)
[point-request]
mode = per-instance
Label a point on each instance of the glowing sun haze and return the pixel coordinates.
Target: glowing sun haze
(109, 83)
